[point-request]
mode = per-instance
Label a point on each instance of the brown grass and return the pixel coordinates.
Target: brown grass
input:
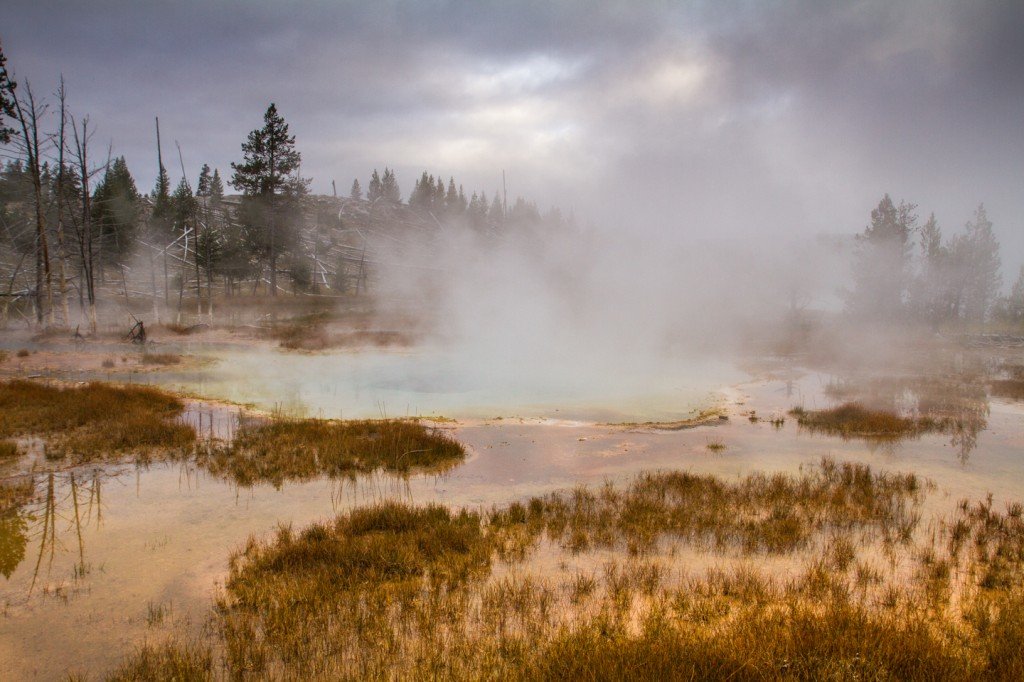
(760, 513)
(9, 450)
(851, 420)
(167, 662)
(396, 591)
(1008, 388)
(93, 420)
(282, 449)
(161, 359)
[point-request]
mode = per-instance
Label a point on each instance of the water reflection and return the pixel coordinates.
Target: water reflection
(54, 510)
(953, 404)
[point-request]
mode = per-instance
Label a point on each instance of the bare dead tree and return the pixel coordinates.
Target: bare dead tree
(61, 252)
(84, 229)
(193, 219)
(29, 111)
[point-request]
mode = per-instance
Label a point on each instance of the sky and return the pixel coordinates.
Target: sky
(670, 120)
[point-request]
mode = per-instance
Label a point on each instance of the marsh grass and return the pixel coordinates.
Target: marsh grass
(283, 449)
(853, 420)
(759, 513)
(94, 420)
(9, 450)
(1008, 388)
(396, 591)
(163, 359)
(166, 662)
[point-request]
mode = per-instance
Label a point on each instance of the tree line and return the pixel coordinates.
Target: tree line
(906, 271)
(75, 220)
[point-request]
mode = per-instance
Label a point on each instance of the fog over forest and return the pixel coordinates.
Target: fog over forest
(670, 120)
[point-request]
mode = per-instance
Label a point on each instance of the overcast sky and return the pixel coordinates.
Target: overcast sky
(664, 118)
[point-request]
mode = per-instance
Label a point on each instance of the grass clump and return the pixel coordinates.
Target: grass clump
(23, 353)
(162, 359)
(759, 513)
(93, 420)
(299, 449)
(167, 662)
(310, 603)
(1008, 388)
(851, 420)
(9, 450)
(396, 591)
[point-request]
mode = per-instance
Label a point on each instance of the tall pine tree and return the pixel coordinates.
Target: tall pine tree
(269, 158)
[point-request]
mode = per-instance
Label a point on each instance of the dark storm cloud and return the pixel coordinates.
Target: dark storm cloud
(678, 118)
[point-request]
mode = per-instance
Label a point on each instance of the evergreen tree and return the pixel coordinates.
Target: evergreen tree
(1015, 302)
(389, 187)
(356, 192)
(269, 159)
(216, 189)
(930, 295)
(7, 109)
(422, 194)
(115, 212)
(451, 199)
(880, 278)
(496, 214)
(185, 206)
(203, 186)
(163, 209)
(375, 190)
(982, 263)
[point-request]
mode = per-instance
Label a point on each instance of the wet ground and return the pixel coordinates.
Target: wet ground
(105, 557)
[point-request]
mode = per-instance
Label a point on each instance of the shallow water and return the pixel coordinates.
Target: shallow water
(112, 545)
(432, 381)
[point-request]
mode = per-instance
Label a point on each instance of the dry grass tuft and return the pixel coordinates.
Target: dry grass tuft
(760, 513)
(396, 591)
(9, 450)
(167, 662)
(161, 359)
(299, 449)
(93, 420)
(1008, 388)
(853, 420)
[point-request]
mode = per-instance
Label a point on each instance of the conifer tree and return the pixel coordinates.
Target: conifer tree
(216, 188)
(115, 212)
(880, 278)
(356, 192)
(7, 110)
(269, 159)
(203, 186)
(981, 263)
(451, 198)
(389, 187)
(375, 190)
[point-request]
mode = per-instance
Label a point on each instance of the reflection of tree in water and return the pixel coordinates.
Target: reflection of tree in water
(46, 501)
(955, 404)
(13, 530)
